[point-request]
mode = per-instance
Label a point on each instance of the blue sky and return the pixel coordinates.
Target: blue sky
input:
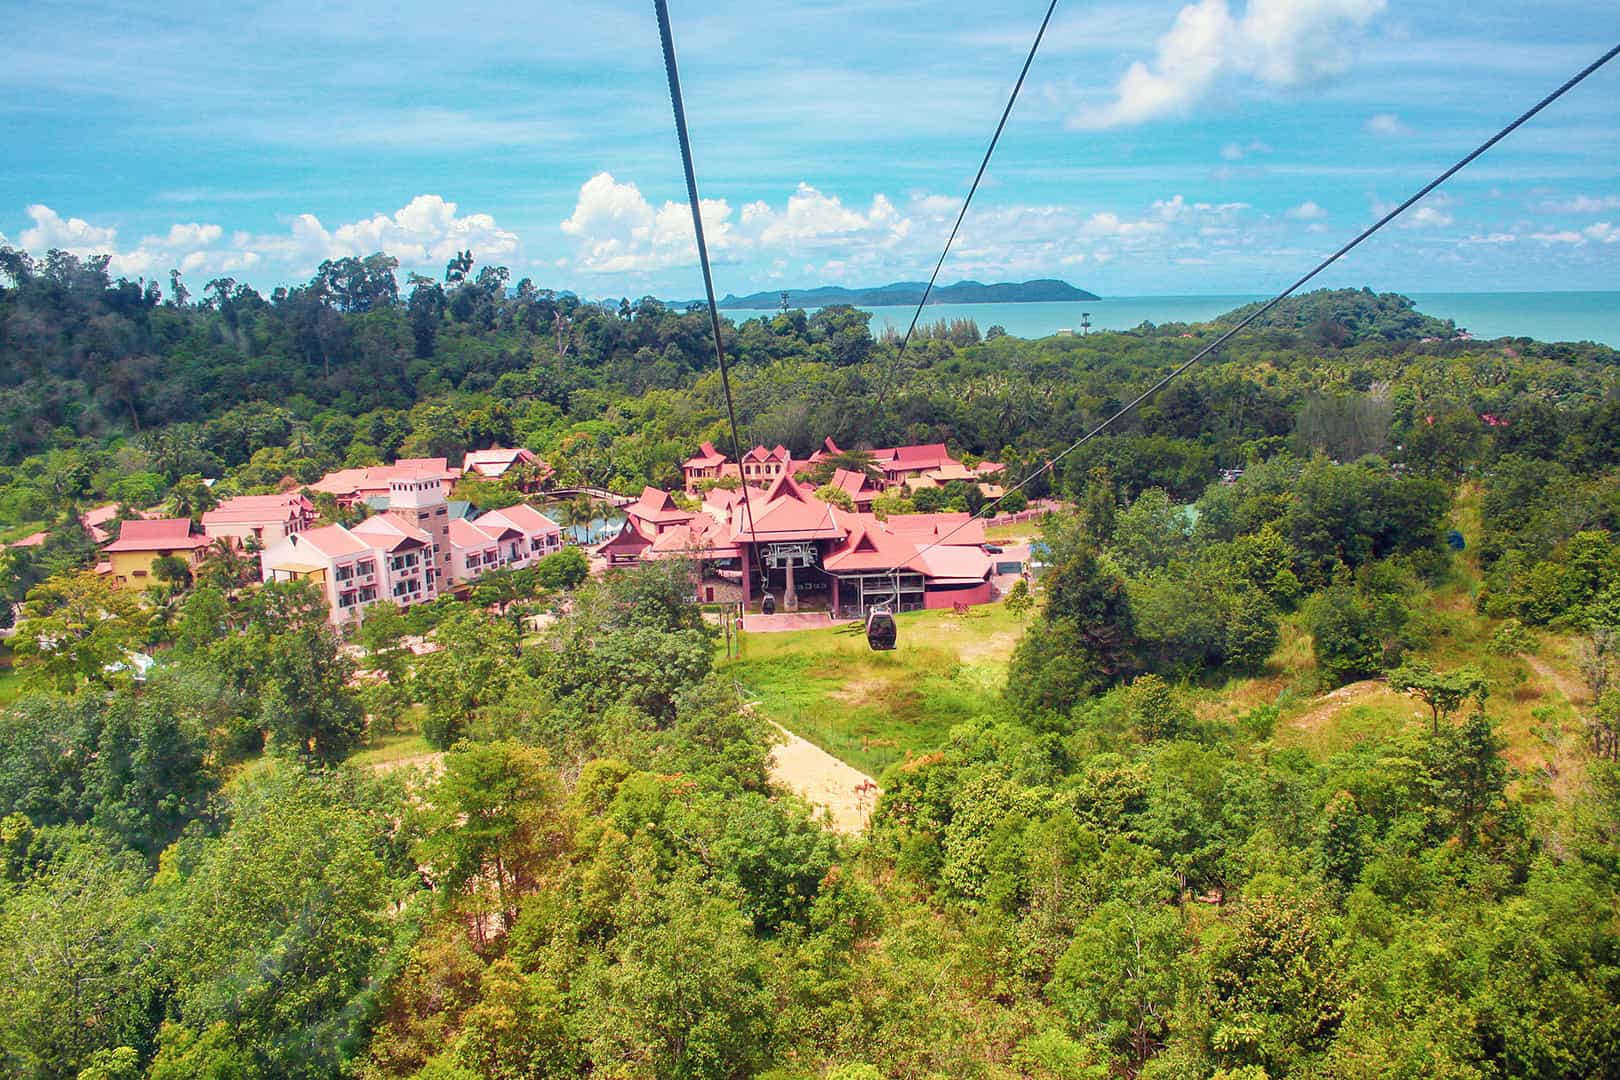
(1159, 148)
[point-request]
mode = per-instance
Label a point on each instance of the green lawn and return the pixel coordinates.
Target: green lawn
(874, 708)
(10, 681)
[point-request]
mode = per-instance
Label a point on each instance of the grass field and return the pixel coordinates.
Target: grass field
(874, 708)
(10, 681)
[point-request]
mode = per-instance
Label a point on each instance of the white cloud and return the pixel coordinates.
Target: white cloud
(1276, 43)
(424, 232)
(1428, 217)
(1386, 124)
(1563, 236)
(811, 217)
(1306, 211)
(617, 230)
(1232, 152)
(1491, 238)
(1582, 204)
(1603, 233)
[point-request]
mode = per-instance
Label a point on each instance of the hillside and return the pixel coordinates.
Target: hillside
(910, 292)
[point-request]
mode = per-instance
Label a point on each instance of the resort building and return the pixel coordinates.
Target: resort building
(804, 551)
(351, 572)
(494, 463)
(350, 486)
(263, 519)
(704, 465)
(141, 543)
(541, 535)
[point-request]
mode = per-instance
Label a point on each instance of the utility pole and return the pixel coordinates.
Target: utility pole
(1085, 323)
(784, 301)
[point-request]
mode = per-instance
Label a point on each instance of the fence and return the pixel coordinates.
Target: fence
(1038, 510)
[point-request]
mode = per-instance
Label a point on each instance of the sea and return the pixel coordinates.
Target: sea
(1545, 316)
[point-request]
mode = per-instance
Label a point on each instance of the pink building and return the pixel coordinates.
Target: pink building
(349, 570)
(542, 535)
(410, 555)
(263, 519)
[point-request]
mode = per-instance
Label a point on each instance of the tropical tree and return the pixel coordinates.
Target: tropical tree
(190, 497)
(78, 628)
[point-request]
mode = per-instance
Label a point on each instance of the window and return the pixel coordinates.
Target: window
(346, 599)
(368, 594)
(365, 567)
(474, 562)
(344, 573)
(439, 512)
(140, 573)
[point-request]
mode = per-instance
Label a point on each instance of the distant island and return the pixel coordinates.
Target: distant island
(902, 293)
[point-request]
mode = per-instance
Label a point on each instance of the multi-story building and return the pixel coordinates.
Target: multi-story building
(263, 519)
(348, 569)
(141, 543)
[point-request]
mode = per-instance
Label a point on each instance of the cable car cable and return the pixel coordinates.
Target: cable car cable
(671, 71)
(983, 165)
(1051, 462)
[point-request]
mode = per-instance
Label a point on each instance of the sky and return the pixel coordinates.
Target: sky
(1159, 148)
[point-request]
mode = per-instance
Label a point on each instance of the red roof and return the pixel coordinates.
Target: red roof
(628, 541)
(494, 461)
(333, 540)
(759, 453)
(926, 456)
(789, 513)
(466, 534)
(391, 532)
(267, 508)
(658, 507)
(853, 481)
(931, 528)
(163, 534)
(31, 540)
(376, 478)
(707, 457)
(521, 516)
(701, 537)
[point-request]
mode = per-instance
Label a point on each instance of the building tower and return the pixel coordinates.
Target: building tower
(420, 501)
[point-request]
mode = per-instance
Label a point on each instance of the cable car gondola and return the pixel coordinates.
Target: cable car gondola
(767, 606)
(880, 629)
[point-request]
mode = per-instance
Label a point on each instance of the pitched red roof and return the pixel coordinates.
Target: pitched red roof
(707, 457)
(521, 516)
(391, 532)
(162, 534)
(247, 508)
(658, 507)
(853, 481)
(930, 528)
(702, 537)
(465, 534)
(789, 513)
(333, 541)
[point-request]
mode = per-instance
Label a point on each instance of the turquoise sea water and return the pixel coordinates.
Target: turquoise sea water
(1546, 316)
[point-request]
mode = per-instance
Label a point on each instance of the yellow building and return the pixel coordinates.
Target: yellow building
(142, 543)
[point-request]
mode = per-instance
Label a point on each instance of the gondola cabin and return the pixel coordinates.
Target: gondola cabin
(881, 631)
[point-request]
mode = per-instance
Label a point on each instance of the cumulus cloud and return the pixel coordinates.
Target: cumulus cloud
(617, 230)
(1386, 124)
(425, 231)
(1306, 211)
(1275, 43)
(1582, 204)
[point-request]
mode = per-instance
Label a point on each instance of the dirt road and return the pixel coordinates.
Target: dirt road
(847, 794)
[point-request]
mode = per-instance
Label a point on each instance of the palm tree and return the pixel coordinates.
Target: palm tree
(226, 566)
(191, 498)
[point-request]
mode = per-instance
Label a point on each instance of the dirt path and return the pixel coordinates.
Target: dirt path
(1331, 704)
(1573, 692)
(431, 763)
(822, 780)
